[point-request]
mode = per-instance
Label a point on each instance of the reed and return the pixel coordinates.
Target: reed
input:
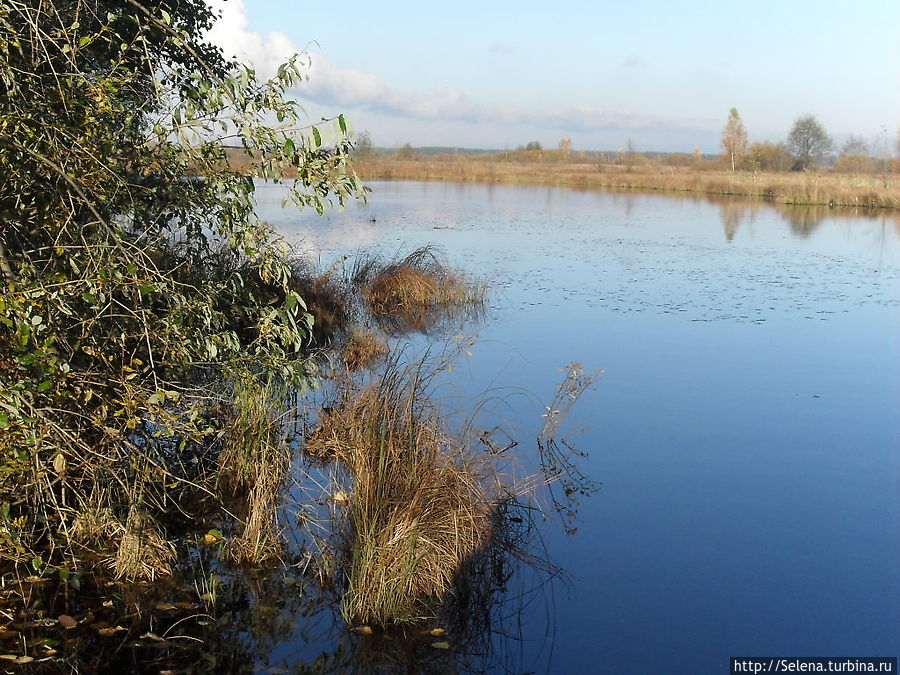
(254, 464)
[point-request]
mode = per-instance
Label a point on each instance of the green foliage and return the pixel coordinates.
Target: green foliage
(138, 287)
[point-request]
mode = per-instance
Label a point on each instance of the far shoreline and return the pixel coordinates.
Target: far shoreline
(813, 188)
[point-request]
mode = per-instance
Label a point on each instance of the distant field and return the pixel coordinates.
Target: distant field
(823, 187)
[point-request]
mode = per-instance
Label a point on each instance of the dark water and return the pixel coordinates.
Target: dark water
(746, 430)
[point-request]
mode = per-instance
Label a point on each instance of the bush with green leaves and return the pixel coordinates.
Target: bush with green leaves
(140, 294)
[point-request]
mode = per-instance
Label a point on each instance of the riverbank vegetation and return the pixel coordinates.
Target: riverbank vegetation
(799, 171)
(143, 309)
(156, 344)
(671, 173)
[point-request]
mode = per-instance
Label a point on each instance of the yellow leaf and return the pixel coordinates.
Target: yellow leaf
(109, 632)
(437, 631)
(362, 630)
(341, 498)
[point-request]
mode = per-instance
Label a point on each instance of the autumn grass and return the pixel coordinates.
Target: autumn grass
(253, 465)
(813, 187)
(362, 349)
(415, 292)
(418, 508)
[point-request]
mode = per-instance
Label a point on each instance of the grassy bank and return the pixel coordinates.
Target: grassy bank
(822, 188)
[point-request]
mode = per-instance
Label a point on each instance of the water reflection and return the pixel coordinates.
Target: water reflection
(805, 219)
(734, 213)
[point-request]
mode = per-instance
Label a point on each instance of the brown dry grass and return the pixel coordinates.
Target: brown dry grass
(415, 292)
(813, 187)
(418, 509)
(327, 298)
(143, 553)
(362, 349)
(255, 462)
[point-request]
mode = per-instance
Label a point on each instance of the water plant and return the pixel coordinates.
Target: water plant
(418, 292)
(417, 507)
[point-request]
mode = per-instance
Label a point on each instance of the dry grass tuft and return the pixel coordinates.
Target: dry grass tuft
(261, 539)
(362, 348)
(415, 292)
(143, 552)
(418, 509)
(255, 462)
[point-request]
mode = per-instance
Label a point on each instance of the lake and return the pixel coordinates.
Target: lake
(745, 430)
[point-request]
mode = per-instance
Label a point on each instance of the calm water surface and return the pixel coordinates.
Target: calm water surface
(745, 431)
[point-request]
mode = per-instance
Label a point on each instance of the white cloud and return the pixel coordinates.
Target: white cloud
(233, 35)
(348, 87)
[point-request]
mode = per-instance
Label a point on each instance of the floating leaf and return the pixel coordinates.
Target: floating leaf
(67, 621)
(341, 498)
(362, 630)
(441, 645)
(437, 631)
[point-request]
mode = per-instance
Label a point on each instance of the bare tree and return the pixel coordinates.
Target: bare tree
(734, 137)
(855, 145)
(363, 146)
(808, 142)
(565, 145)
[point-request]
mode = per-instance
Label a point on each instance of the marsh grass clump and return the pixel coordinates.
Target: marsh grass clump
(253, 465)
(362, 348)
(143, 552)
(418, 508)
(415, 292)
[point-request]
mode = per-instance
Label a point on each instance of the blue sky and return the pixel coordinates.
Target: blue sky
(664, 74)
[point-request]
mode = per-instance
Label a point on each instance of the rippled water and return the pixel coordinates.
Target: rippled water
(746, 430)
